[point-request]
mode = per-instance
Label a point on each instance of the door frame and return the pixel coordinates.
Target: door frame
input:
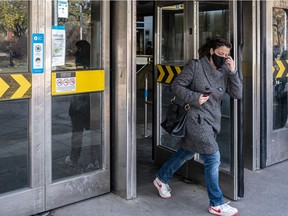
(91, 184)
(42, 194)
(194, 169)
(274, 142)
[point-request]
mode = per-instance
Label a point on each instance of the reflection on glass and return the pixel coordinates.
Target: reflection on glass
(76, 135)
(13, 145)
(172, 53)
(214, 22)
(280, 68)
(13, 36)
(166, 139)
(172, 35)
(82, 41)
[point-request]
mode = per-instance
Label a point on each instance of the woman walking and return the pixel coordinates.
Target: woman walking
(202, 84)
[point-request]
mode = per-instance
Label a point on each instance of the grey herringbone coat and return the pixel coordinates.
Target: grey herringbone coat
(204, 121)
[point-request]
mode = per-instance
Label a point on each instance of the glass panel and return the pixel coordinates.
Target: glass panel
(172, 53)
(172, 35)
(80, 47)
(76, 135)
(280, 67)
(13, 36)
(144, 35)
(214, 21)
(167, 140)
(13, 145)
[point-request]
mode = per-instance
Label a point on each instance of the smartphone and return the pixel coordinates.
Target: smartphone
(206, 94)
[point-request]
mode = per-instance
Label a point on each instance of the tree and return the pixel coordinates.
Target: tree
(14, 16)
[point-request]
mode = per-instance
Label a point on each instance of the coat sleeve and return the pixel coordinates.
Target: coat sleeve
(183, 81)
(234, 85)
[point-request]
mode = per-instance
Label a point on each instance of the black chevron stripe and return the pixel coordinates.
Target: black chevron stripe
(165, 78)
(28, 93)
(286, 68)
(13, 86)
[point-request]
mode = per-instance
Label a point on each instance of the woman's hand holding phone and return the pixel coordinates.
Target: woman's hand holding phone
(206, 94)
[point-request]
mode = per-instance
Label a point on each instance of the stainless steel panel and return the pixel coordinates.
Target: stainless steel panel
(276, 140)
(106, 133)
(251, 79)
(40, 95)
(23, 202)
(76, 189)
(269, 85)
(123, 40)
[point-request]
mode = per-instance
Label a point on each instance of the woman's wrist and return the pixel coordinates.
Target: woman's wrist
(232, 71)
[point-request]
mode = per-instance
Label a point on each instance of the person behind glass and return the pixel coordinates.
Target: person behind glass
(79, 109)
(79, 112)
(202, 84)
(82, 55)
(149, 48)
(281, 95)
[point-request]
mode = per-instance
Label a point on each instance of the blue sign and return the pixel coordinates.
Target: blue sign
(37, 53)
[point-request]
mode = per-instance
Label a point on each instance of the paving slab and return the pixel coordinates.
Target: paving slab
(265, 194)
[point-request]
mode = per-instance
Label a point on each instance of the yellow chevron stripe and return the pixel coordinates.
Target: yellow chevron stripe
(162, 73)
(281, 69)
(273, 69)
(3, 87)
(178, 69)
(171, 74)
(24, 85)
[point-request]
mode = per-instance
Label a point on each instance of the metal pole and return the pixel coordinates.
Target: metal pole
(146, 106)
(55, 13)
(81, 21)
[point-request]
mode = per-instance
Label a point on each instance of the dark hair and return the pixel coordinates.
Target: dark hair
(214, 43)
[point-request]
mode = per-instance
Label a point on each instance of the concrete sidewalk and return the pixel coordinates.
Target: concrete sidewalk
(265, 194)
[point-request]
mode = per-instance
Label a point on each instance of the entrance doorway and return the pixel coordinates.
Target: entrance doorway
(275, 85)
(145, 69)
(175, 43)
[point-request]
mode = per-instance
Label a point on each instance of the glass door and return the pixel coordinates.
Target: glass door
(276, 94)
(54, 143)
(20, 169)
(211, 19)
(77, 165)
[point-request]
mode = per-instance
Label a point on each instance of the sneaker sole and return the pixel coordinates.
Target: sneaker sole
(158, 188)
(216, 213)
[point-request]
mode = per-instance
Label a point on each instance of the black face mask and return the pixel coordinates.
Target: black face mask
(218, 60)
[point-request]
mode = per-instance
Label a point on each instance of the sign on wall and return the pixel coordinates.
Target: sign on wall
(37, 53)
(58, 45)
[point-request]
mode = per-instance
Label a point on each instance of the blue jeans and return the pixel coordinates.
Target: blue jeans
(211, 170)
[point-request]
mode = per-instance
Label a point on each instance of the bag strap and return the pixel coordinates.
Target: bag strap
(186, 106)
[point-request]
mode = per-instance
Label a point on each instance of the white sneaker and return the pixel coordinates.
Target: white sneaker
(163, 189)
(94, 165)
(69, 161)
(223, 209)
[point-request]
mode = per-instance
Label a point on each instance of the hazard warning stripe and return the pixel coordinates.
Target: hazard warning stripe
(167, 73)
(280, 69)
(15, 86)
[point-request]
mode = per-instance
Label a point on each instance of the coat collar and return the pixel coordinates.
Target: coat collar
(213, 76)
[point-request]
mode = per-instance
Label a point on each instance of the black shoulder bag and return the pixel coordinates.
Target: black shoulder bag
(175, 122)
